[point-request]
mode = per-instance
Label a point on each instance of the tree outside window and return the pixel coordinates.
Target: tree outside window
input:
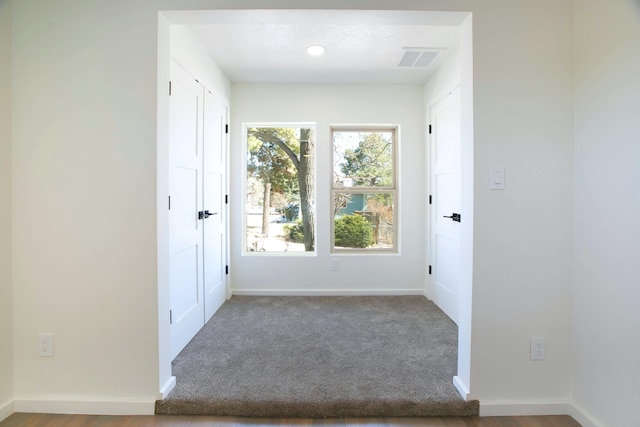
(280, 189)
(364, 189)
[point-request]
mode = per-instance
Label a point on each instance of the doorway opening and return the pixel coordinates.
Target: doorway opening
(180, 28)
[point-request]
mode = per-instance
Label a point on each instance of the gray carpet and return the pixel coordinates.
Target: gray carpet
(320, 357)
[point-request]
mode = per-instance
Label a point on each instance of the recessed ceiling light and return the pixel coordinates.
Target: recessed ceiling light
(315, 50)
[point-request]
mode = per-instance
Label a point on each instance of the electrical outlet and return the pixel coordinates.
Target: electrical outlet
(538, 348)
(335, 264)
(45, 345)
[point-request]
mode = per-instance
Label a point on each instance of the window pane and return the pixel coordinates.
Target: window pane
(363, 158)
(363, 220)
(280, 189)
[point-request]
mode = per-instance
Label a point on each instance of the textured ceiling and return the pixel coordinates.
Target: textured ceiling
(268, 46)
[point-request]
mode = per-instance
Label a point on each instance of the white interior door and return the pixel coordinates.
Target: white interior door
(445, 213)
(215, 120)
(185, 190)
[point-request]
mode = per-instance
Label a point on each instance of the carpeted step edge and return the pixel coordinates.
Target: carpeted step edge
(338, 409)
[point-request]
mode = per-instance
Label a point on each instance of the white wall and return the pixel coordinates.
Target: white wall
(189, 52)
(84, 254)
(606, 295)
(523, 119)
(6, 297)
(438, 86)
(327, 105)
(529, 130)
(85, 196)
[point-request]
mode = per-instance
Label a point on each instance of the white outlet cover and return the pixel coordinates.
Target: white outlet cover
(538, 348)
(45, 345)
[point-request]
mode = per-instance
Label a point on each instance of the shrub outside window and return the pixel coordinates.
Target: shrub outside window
(364, 190)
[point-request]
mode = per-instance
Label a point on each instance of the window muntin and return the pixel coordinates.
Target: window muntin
(279, 189)
(364, 190)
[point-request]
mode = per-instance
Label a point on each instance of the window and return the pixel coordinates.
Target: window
(280, 189)
(364, 190)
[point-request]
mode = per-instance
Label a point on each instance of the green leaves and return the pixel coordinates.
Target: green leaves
(370, 164)
(353, 231)
(268, 162)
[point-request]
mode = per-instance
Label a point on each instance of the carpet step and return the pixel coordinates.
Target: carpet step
(320, 357)
(319, 409)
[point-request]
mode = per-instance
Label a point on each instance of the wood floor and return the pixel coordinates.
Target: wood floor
(41, 420)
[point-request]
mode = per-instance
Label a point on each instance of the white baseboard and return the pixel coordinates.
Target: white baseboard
(324, 292)
(581, 416)
(6, 409)
(85, 407)
(461, 387)
(516, 408)
(520, 408)
(167, 387)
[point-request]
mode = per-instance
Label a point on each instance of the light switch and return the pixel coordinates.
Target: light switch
(496, 177)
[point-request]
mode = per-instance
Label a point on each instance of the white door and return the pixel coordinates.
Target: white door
(185, 190)
(215, 120)
(445, 156)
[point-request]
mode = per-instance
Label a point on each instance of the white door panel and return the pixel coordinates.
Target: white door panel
(215, 119)
(185, 240)
(446, 191)
(445, 268)
(197, 215)
(185, 268)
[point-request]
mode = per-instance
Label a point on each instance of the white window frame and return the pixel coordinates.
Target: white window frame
(393, 189)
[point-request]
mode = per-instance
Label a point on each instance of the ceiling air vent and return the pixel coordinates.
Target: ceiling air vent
(418, 57)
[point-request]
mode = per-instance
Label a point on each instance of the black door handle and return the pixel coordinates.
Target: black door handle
(205, 214)
(454, 216)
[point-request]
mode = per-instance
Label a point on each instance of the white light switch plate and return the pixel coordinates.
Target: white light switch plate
(496, 177)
